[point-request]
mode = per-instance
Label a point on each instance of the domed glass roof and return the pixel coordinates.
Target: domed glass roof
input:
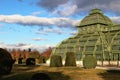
(95, 16)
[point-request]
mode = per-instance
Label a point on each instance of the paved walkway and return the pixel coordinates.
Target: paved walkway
(108, 68)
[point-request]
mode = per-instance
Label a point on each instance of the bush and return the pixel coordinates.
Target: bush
(89, 62)
(6, 62)
(30, 61)
(34, 54)
(42, 59)
(24, 61)
(56, 61)
(20, 60)
(70, 59)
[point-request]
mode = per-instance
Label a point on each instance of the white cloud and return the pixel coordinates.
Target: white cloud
(1, 43)
(41, 32)
(65, 9)
(48, 30)
(17, 46)
(58, 31)
(51, 4)
(39, 39)
(115, 6)
(69, 10)
(39, 21)
(36, 13)
(79, 5)
(73, 32)
(25, 46)
(116, 19)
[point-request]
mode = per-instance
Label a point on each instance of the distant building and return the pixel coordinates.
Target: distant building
(97, 35)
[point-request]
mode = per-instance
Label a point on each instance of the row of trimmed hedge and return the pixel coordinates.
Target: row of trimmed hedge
(37, 60)
(88, 61)
(32, 61)
(56, 60)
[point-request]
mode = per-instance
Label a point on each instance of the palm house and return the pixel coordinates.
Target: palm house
(97, 35)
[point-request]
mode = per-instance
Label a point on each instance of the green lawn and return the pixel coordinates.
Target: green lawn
(21, 72)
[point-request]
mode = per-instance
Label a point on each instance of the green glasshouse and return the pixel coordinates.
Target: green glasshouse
(97, 35)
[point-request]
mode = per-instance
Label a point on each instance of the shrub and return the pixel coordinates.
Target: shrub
(56, 61)
(6, 62)
(24, 60)
(30, 61)
(42, 59)
(70, 59)
(20, 60)
(89, 62)
(34, 54)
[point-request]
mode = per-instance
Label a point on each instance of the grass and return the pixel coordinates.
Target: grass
(21, 72)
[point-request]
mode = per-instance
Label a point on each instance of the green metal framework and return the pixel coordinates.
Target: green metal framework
(97, 36)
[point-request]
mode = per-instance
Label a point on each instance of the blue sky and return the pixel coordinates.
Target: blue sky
(39, 24)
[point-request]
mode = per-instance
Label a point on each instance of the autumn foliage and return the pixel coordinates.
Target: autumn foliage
(25, 54)
(47, 52)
